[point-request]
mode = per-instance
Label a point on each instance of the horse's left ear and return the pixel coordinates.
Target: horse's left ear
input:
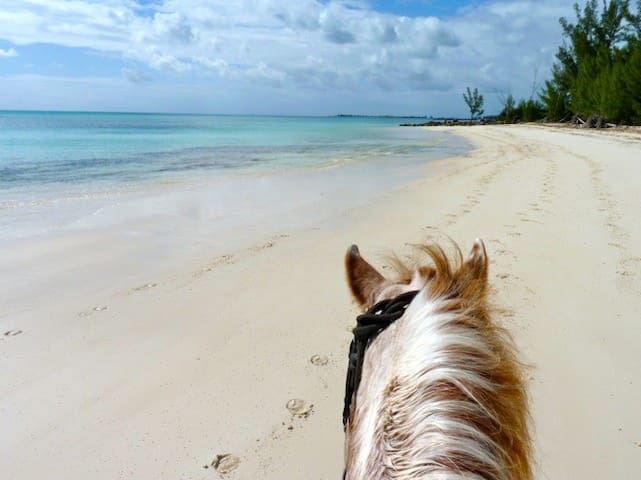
(363, 279)
(476, 263)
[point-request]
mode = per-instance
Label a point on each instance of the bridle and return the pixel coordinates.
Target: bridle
(368, 326)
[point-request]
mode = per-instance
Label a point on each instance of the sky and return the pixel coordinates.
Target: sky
(283, 57)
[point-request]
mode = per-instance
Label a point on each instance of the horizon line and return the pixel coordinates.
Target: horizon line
(122, 112)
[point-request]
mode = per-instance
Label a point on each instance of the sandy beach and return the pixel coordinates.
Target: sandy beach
(154, 378)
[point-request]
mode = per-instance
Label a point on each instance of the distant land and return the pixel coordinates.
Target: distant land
(343, 115)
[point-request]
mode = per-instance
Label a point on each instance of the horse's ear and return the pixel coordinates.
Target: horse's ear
(363, 279)
(476, 263)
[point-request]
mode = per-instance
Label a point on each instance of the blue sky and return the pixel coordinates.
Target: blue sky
(274, 56)
(422, 8)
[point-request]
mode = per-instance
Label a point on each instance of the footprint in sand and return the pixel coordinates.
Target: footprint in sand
(146, 286)
(319, 360)
(264, 246)
(12, 333)
(86, 313)
(300, 408)
(633, 262)
(225, 463)
(222, 260)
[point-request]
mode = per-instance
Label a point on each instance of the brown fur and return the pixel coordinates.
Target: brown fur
(502, 413)
(362, 278)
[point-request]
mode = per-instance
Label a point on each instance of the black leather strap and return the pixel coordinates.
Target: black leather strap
(368, 326)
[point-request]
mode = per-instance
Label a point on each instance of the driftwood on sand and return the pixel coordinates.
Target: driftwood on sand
(594, 121)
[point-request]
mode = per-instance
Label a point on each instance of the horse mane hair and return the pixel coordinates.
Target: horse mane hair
(452, 403)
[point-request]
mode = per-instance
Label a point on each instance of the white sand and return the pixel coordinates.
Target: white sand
(201, 361)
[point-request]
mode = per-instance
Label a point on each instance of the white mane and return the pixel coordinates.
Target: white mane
(441, 396)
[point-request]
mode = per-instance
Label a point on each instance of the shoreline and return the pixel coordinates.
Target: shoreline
(455, 124)
(153, 230)
(202, 361)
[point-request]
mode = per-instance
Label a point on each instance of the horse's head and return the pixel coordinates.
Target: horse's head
(466, 279)
(434, 388)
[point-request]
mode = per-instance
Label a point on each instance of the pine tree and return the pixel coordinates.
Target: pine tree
(508, 113)
(632, 81)
(474, 101)
(597, 68)
(556, 101)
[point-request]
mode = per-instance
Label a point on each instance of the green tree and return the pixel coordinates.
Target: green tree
(632, 81)
(556, 101)
(474, 101)
(530, 110)
(508, 114)
(594, 68)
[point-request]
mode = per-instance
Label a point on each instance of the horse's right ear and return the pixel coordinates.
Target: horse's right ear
(363, 279)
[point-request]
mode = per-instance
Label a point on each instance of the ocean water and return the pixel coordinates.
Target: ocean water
(94, 203)
(62, 170)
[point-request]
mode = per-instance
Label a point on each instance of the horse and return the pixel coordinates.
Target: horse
(436, 391)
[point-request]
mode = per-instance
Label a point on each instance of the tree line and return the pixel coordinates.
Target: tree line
(597, 69)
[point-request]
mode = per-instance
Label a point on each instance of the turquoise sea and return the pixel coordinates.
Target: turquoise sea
(58, 167)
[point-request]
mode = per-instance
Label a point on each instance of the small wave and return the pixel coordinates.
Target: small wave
(12, 205)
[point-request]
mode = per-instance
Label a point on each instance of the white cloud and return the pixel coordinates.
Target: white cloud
(306, 44)
(10, 52)
(158, 59)
(136, 75)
